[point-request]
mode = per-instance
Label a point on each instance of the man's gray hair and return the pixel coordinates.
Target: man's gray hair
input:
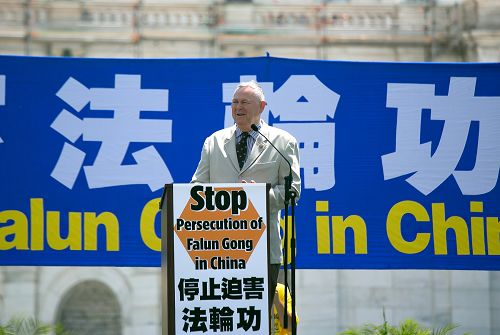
(259, 93)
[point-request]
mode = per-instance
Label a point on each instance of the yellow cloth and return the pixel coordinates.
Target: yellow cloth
(277, 326)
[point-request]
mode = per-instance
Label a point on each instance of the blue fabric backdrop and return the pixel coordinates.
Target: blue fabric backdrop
(400, 161)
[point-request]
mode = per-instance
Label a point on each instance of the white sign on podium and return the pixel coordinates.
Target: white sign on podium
(215, 261)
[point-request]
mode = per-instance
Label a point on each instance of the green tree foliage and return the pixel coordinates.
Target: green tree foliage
(407, 327)
(21, 325)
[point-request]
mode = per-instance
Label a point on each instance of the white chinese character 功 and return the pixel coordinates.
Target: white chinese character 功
(458, 109)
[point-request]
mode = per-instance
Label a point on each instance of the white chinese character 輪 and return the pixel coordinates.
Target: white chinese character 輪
(305, 108)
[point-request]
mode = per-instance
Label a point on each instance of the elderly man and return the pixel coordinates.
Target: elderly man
(240, 154)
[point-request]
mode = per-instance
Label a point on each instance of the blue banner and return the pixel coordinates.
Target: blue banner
(399, 161)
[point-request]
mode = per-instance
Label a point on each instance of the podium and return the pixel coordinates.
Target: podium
(215, 259)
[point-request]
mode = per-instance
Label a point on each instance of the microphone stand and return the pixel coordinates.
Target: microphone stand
(290, 196)
(293, 195)
(288, 184)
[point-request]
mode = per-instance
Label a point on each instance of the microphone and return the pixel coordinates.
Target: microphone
(255, 128)
(288, 179)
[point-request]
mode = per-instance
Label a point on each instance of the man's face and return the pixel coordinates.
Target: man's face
(246, 108)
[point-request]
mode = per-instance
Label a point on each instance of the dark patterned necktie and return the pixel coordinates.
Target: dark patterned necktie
(241, 149)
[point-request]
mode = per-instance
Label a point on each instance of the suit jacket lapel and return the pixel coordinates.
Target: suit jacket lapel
(230, 148)
(258, 148)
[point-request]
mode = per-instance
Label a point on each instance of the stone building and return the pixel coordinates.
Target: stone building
(376, 30)
(128, 300)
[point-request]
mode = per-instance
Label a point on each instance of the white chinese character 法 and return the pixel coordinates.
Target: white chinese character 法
(126, 100)
(457, 109)
(305, 107)
(2, 95)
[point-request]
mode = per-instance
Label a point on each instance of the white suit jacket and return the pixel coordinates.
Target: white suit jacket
(219, 164)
